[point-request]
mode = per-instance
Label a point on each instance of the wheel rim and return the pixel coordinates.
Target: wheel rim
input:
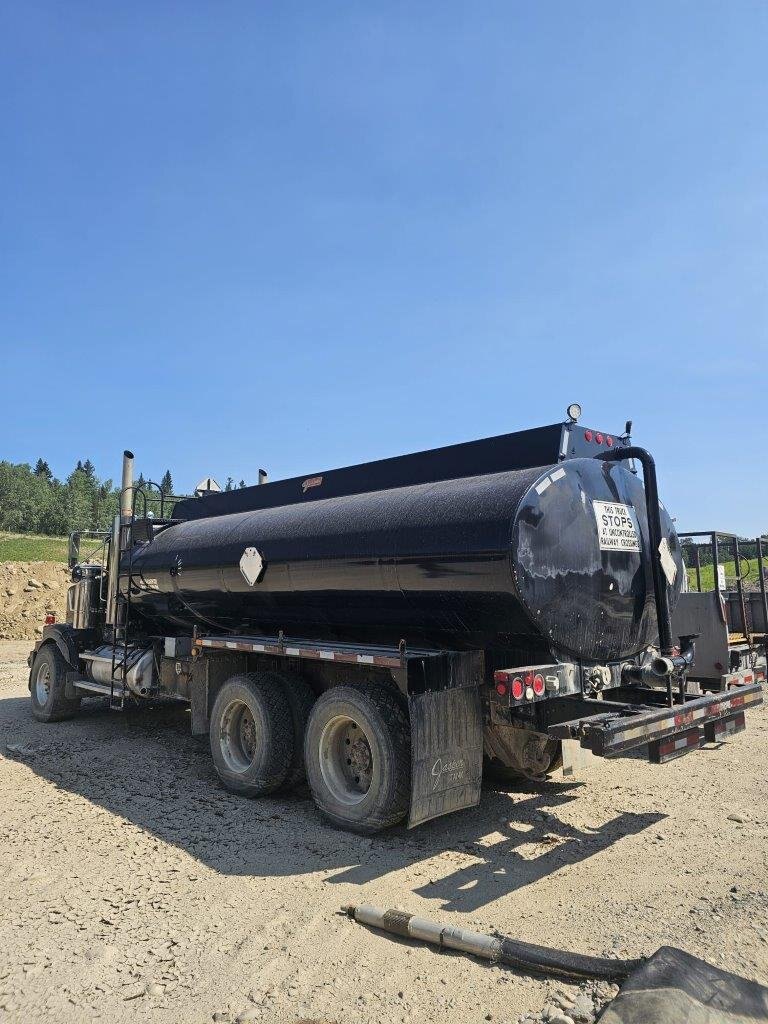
(346, 760)
(43, 683)
(239, 736)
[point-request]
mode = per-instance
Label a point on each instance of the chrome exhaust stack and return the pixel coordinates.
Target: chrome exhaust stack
(126, 490)
(119, 531)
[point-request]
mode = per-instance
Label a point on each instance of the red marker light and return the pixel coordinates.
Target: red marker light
(599, 438)
(501, 689)
(609, 441)
(517, 688)
(538, 685)
(50, 619)
(587, 435)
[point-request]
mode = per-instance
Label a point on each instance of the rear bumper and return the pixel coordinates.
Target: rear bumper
(611, 728)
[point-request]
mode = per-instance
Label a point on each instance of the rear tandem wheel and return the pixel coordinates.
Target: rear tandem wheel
(251, 734)
(358, 756)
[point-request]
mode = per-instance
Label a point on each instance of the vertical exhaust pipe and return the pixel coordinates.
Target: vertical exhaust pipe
(126, 490)
(262, 476)
(119, 531)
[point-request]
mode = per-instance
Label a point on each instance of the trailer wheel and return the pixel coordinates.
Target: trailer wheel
(358, 757)
(47, 682)
(251, 734)
(300, 700)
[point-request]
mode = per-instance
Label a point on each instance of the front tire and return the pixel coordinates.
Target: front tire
(358, 757)
(251, 734)
(47, 686)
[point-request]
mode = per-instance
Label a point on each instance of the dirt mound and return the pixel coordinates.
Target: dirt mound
(27, 591)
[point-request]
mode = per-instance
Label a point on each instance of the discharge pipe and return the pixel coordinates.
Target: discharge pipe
(521, 955)
(663, 614)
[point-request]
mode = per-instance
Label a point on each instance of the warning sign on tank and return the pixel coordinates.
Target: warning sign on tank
(617, 528)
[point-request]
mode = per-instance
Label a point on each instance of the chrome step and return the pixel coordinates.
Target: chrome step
(102, 688)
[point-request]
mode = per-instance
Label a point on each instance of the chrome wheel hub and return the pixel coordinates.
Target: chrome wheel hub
(239, 736)
(43, 683)
(346, 760)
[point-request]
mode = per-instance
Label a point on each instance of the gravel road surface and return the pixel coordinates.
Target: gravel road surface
(135, 888)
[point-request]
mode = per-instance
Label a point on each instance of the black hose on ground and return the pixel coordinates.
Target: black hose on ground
(520, 955)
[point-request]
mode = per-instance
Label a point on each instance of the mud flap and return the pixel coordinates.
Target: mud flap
(446, 752)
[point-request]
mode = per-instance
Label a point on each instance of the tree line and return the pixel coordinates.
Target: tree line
(33, 500)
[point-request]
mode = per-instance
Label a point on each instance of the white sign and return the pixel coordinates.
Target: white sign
(668, 563)
(207, 484)
(251, 565)
(617, 528)
(720, 576)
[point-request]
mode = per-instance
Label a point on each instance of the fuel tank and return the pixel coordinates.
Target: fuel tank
(557, 555)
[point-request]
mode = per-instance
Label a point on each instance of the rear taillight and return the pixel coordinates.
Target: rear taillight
(523, 687)
(609, 441)
(50, 619)
(587, 435)
(599, 438)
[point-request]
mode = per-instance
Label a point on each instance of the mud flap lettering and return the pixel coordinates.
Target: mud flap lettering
(446, 752)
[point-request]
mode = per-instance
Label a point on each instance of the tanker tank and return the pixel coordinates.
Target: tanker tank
(557, 555)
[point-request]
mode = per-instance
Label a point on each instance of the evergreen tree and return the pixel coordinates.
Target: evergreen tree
(230, 484)
(33, 501)
(166, 484)
(242, 484)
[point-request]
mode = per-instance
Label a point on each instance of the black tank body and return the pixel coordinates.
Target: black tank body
(554, 555)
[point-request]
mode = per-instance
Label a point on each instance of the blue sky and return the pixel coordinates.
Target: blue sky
(302, 235)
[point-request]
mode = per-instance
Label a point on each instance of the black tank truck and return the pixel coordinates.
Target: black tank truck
(393, 630)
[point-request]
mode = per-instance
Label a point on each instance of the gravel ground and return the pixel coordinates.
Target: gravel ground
(135, 888)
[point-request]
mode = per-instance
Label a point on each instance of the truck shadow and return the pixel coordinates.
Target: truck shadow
(145, 767)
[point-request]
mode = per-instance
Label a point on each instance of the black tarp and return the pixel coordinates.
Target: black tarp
(674, 987)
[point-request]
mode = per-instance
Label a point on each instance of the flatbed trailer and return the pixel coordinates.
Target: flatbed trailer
(731, 623)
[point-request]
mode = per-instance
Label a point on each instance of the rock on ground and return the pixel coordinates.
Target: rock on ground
(27, 591)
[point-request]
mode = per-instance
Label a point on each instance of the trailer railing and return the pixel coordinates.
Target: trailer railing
(746, 610)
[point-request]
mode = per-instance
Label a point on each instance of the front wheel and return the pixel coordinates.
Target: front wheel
(48, 686)
(358, 757)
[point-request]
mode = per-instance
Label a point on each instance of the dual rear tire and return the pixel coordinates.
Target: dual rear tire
(257, 723)
(353, 744)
